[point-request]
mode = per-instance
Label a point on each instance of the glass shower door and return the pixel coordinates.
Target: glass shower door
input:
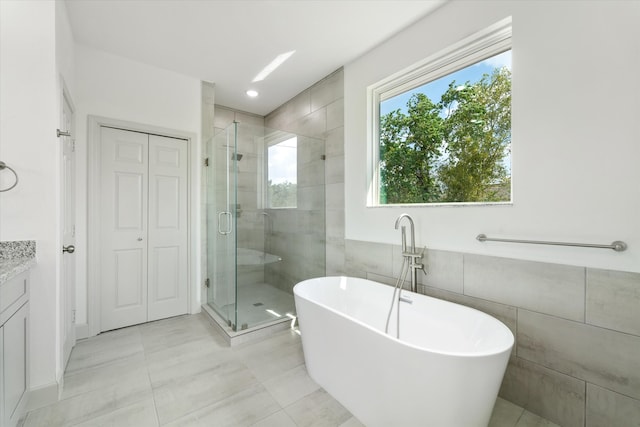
(265, 222)
(222, 224)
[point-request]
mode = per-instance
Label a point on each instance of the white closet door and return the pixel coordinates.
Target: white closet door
(168, 275)
(123, 234)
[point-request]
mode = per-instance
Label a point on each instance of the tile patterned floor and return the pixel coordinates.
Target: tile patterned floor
(180, 372)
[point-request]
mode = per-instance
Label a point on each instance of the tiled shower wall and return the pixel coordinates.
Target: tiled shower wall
(300, 235)
(576, 360)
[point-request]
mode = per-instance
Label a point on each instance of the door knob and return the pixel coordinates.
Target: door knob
(69, 249)
(139, 239)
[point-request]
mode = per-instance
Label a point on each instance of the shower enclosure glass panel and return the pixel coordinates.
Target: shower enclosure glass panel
(221, 224)
(265, 222)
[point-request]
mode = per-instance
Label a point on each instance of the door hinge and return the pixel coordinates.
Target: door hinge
(207, 283)
(206, 161)
(73, 316)
(73, 145)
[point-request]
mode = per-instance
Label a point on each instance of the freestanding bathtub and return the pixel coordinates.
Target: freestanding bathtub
(444, 370)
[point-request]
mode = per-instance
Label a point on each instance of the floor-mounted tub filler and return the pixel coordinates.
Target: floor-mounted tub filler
(445, 369)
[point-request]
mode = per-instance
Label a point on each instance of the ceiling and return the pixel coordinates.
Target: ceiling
(228, 42)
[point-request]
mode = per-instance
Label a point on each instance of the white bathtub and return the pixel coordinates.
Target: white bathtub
(444, 371)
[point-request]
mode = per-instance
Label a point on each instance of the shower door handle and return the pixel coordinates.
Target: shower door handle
(229, 223)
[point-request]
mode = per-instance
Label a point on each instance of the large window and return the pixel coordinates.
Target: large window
(282, 174)
(444, 127)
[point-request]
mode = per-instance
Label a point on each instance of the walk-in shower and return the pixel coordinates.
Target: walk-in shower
(265, 223)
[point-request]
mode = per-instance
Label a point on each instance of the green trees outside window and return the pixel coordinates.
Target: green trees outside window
(452, 149)
(282, 174)
(282, 194)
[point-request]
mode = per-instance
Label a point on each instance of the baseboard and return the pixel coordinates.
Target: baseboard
(82, 331)
(43, 396)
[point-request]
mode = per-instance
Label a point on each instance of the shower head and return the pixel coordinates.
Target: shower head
(236, 156)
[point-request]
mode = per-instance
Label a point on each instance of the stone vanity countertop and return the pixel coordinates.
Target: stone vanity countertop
(12, 267)
(16, 257)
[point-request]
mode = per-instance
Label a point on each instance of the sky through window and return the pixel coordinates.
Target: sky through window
(436, 88)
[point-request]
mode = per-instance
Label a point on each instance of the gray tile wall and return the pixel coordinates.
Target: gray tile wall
(612, 300)
(576, 360)
(311, 240)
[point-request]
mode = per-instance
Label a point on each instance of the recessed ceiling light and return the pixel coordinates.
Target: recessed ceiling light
(252, 93)
(272, 66)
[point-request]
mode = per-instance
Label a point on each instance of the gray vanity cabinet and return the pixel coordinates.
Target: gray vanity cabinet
(14, 349)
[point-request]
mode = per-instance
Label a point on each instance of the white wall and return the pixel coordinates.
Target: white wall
(29, 116)
(119, 88)
(65, 49)
(37, 53)
(575, 133)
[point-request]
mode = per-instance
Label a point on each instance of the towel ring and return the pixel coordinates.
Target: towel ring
(3, 166)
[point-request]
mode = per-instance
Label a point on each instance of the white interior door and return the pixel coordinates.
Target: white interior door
(123, 228)
(68, 287)
(144, 228)
(167, 241)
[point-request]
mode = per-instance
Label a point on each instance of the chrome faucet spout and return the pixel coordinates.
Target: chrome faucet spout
(412, 229)
(410, 255)
(404, 215)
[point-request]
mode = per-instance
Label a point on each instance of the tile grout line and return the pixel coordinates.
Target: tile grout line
(584, 314)
(584, 407)
(519, 417)
(153, 395)
(515, 339)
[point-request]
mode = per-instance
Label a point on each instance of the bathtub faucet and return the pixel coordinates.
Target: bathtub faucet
(412, 256)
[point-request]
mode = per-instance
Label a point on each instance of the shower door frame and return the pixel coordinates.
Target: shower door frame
(229, 281)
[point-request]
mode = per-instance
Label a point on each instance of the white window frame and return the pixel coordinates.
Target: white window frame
(482, 45)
